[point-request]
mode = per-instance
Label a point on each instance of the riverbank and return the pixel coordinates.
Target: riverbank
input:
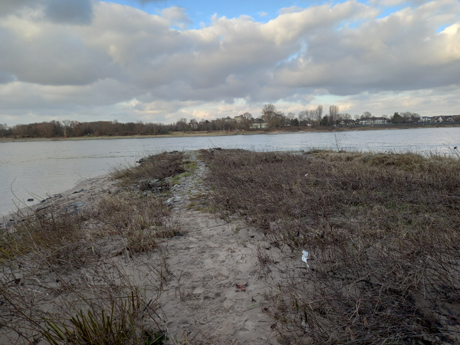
(140, 246)
(284, 130)
(172, 135)
(240, 247)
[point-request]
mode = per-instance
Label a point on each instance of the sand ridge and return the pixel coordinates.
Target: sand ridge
(201, 302)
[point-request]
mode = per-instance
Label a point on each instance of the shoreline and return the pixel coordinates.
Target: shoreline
(216, 260)
(201, 278)
(234, 133)
(80, 196)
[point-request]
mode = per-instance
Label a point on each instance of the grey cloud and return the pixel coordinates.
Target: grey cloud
(391, 54)
(69, 11)
(80, 66)
(11, 6)
(6, 77)
(58, 11)
(127, 54)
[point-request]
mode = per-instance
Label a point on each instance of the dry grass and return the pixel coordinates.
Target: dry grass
(142, 220)
(382, 232)
(162, 167)
(92, 277)
(56, 238)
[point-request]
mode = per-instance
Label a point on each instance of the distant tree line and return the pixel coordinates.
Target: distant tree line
(270, 118)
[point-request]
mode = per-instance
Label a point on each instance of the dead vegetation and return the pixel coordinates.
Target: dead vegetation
(94, 276)
(382, 235)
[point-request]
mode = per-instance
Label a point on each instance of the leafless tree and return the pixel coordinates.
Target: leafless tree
(3, 130)
(247, 120)
(319, 113)
(268, 108)
(182, 124)
(333, 114)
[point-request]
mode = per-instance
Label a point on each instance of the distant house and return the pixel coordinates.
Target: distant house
(347, 122)
(373, 121)
(259, 124)
(426, 119)
(239, 118)
(228, 119)
(443, 118)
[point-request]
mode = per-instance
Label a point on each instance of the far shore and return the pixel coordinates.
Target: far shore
(285, 130)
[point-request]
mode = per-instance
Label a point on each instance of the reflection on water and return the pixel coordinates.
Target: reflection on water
(37, 169)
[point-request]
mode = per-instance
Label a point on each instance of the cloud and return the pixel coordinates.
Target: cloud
(6, 77)
(176, 16)
(57, 11)
(389, 3)
(69, 11)
(143, 2)
(262, 14)
(12, 6)
(292, 9)
(51, 68)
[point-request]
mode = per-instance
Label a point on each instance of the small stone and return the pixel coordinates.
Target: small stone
(30, 200)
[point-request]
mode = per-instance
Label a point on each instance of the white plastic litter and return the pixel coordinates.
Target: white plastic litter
(305, 257)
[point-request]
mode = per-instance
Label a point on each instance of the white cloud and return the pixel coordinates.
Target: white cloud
(176, 16)
(291, 9)
(51, 68)
(143, 2)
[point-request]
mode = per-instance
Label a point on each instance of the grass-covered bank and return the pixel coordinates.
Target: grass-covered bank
(382, 235)
(92, 276)
(197, 133)
(381, 232)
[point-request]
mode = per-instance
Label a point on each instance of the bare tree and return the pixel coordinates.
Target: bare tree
(247, 121)
(319, 113)
(247, 116)
(193, 124)
(268, 108)
(3, 130)
(304, 115)
(410, 117)
(333, 114)
(182, 124)
(366, 115)
(268, 114)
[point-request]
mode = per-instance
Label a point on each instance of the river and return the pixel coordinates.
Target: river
(36, 169)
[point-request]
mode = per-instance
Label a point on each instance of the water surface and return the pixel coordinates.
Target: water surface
(38, 169)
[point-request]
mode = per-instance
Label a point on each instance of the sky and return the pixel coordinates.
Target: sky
(160, 61)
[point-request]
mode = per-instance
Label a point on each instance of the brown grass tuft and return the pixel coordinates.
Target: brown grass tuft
(382, 235)
(92, 277)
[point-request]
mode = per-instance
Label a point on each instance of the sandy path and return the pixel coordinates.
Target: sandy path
(201, 302)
